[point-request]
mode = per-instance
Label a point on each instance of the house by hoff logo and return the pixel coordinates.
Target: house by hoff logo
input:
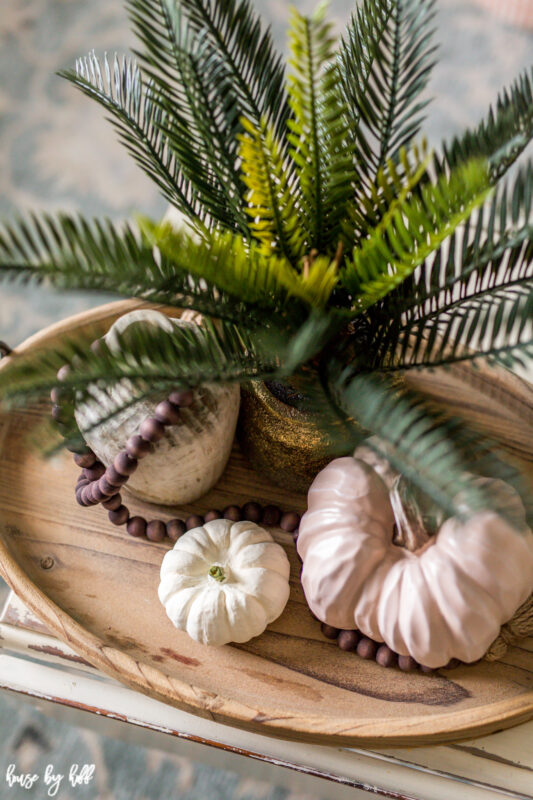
(78, 775)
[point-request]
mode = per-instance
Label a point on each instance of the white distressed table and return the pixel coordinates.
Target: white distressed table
(39, 667)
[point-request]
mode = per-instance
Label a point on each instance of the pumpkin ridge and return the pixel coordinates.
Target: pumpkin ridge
(433, 604)
(460, 565)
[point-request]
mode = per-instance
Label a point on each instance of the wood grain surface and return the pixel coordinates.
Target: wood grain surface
(96, 589)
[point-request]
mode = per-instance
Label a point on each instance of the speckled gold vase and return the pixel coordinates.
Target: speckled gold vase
(281, 442)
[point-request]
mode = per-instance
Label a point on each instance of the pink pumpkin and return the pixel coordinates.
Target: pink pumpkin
(446, 600)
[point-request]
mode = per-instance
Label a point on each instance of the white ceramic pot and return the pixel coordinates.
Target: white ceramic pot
(191, 457)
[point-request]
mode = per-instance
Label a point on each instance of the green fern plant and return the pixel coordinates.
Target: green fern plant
(326, 247)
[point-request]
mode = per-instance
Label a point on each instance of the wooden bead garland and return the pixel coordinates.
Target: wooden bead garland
(97, 484)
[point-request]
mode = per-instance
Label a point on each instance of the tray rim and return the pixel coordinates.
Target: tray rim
(149, 680)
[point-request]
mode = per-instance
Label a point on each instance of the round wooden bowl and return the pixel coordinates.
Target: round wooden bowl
(96, 589)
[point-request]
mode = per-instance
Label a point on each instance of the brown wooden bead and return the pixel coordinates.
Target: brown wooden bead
(175, 529)
(87, 495)
(407, 663)
(79, 490)
(63, 373)
(120, 516)
(366, 648)
(124, 464)
(347, 640)
(96, 493)
(156, 530)
(329, 631)
(112, 503)
(114, 477)
(136, 527)
(289, 521)
(94, 472)
(213, 514)
(271, 515)
(152, 430)
(182, 398)
(194, 521)
(232, 513)
(252, 512)
(167, 413)
(137, 447)
(386, 657)
(106, 488)
(87, 460)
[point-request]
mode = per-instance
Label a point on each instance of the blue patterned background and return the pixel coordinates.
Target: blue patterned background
(56, 151)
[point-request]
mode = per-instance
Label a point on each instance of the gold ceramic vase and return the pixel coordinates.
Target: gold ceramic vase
(281, 442)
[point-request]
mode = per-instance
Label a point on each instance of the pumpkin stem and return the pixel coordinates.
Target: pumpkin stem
(417, 519)
(217, 573)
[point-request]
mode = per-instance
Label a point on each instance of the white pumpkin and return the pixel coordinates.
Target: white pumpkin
(446, 600)
(224, 582)
(190, 458)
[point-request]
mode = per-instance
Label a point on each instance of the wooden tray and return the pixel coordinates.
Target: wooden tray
(96, 588)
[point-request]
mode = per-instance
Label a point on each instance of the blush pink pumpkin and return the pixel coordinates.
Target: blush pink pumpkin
(446, 600)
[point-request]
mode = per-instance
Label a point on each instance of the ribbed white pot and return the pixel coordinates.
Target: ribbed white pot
(191, 457)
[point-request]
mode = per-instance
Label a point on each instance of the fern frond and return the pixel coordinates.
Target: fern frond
(243, 58)
(496, 326)
(72, 253)
(434, 452)
(242, 269)
(410, 231)
(321, 143)
(272, 204)
(385, 62)
(502, 136)
(493, 250)
(395, 183)
(150, 359)
(136, 112)
(178, 62)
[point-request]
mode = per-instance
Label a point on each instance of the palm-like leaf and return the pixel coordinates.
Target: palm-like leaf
(244, 58)
(320, 141)
(135, 110)
(72, 253)
(434, 452)
(272, 205)
(409, 231)
(395, 182)
(245, 271)
(502, 136)
(494, 327)
(385, 61)
(150, 359)
(491, 253)
(197, 107)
